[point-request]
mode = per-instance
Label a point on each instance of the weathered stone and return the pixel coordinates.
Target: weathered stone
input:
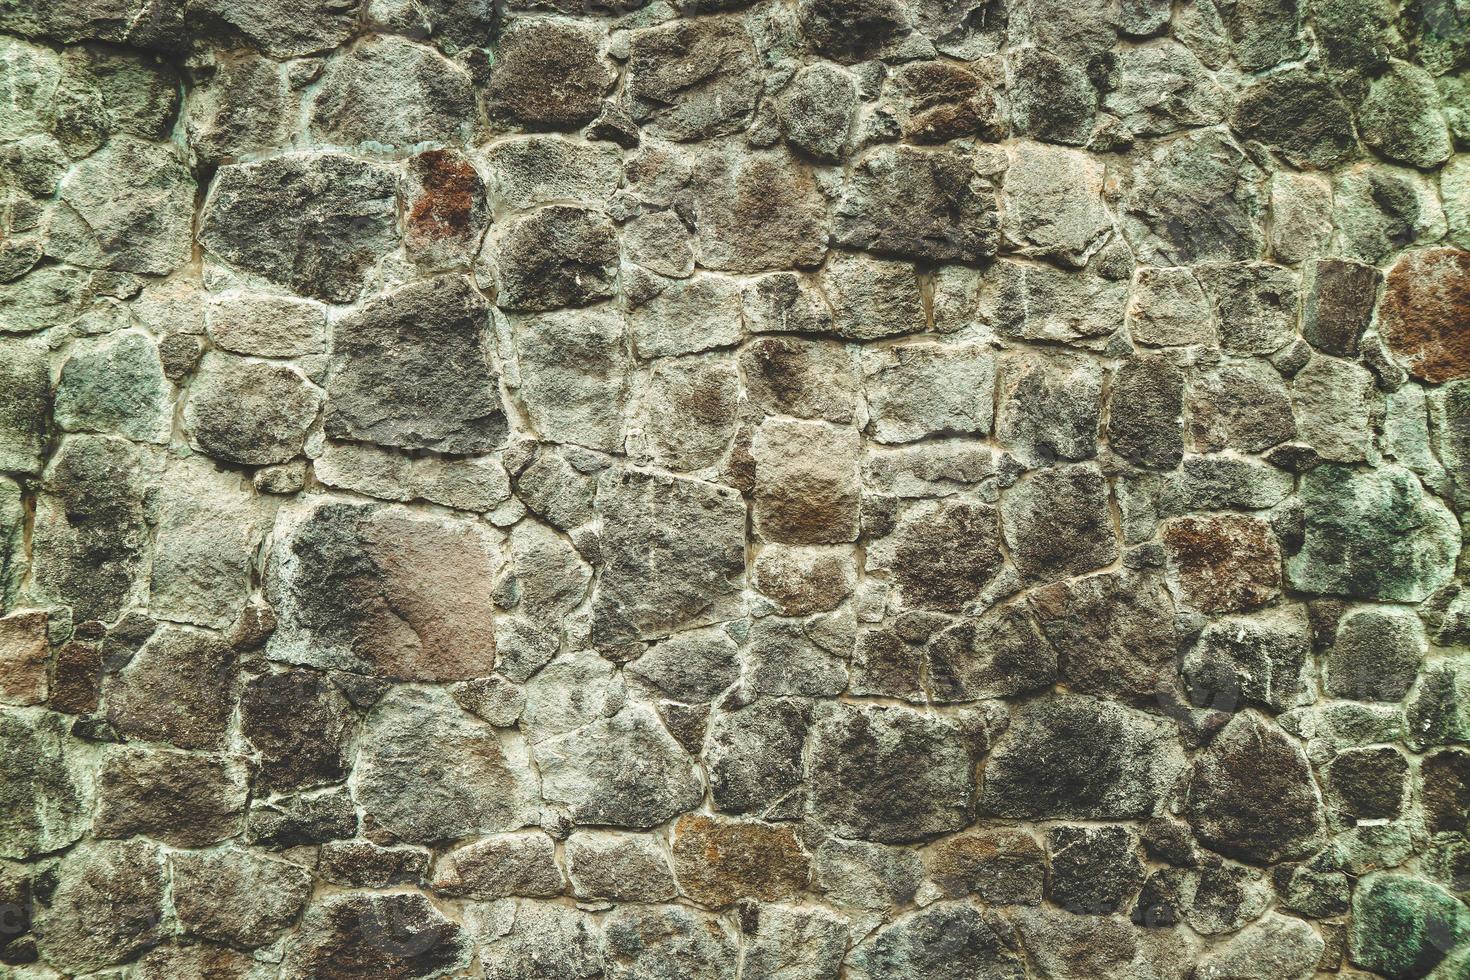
(806, 476)
(182, 799)
(940, 101)
(127, 207)
(556, 256)
(1052, 98)
(1168, 308)
(946, 940)
(872, 298)
(1277, 946)
(684, 316)
(338, 214)
(1053, 204)
(25, 405)
(1262, 660)
(305, 819)
(501, 866)
(427, 771)
(1376, 655)
(801, 581)
(1002, 867)
(754, 757)
(920, 390)
(1146, 413)
(937, 205)
(1241, 406)
(542, 939)
(178, 688)
(810, 379)
(1301, 217)
(720, 862)
(1094, 870)
(1063, 945)
(237, 897)
(266, 325)
(1050, 410)
(1403, 926)
(1194, 199)
(107, 906)
(1163, 88)
(389, 92)
(619, 867)
(24, 652)
(1057, 523)
(1029, 301)
(1401, 117)
(45, 789)
(397, 934)
(525, 171)
(690, 80)
(816, 111)
(1255, 306)
(1223, 563)
(784, 942)
(1337, 304)
(300, 725)
(574, 375)
(1423, 313)
(1297, 113)
(757, 212)
(1251, 794)
(1334, 401)
(115, 385)
(1079, 758)
(1366, 784)
(445, 210)
(1438, 712)
(941, 553)
(245, 411)
(1114, 634)
(548, 74)
(362, 864)
(248, 105)
(668, 941)
(1380, 210)
(888, 774)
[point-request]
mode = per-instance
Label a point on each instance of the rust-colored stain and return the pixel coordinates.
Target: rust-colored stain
(1425, 315)
(446, 208)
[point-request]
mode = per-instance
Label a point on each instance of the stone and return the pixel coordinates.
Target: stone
(181, 799)
(1074, 757)
(1334, 401)
(1146, 413)
(1094, 870)
(574, 375)
(850, 31)
(624, 771)
(691, 80)
(1052, 98)
(1444, 788)
(1366, 784)
(685, 316)
(1422, 315)
(427, 771)
(522, 863)
(1251, 794)
(757, 212)
(1242, 406)
(389, 92)
(919, 390)
(1297, 113)
(941, 553)
(1337, 304)
(1436, 712)
(1057, 523)
(1404, 926)
(808, 379)
(668, 941)
(305, 819)
(1163, 88)
(860, 875)
(816, 111)
(107, 906)
(419, 603)
(1113, 634)
(252, 412)
(1062, 945)
(310, 199)
(801, 656)
(25, 405)
(1028, 301)
(693, 666)
(263, 325)
(946, 940)
(127, 207)
(1255, 306)
(1194, 199)
(177, 688)
(362, 864)
(246, 106)
(300, 725)
(948, 211)
(24, 652)
(1168, 308)
(46, 790)
(236, 896)
(1002, 867)
(526, 938)
(203, 960)
(1376, 655)
(555, 256)
(781, 942)
(939, 101)
(800, 580)
(1263, 659)
(753, 755)
(1223, 563)
(1301, 217)
(1277, 946)
(394, 934)
(1053, 204)
(890, 775)
(872, 298)
(525, 171)
(1379, 210)
(720, 862)
(620, 867)
(446, 210)
(1049, 410)
(1401, 117)
(115, 385)
(1371, 535)
(548, 74)
(806, 482)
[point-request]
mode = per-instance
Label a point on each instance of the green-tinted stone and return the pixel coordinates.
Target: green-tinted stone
(115, 384)
(1403, 926)
(1439, 709)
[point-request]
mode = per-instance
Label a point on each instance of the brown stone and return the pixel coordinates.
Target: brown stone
(1425, 314)
(77, 683)
(23, 650)
(1002, 866)
(448, 210)
(1337, 305)
(1224, 563)
(719, 862)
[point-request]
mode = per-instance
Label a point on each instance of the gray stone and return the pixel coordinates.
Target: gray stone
(619, 867)
(1401, 117)
(127, 207)
(789, 942)
(556, 256)
(684, 316)
(920, 390)
(809, 379)
(662, 942)
(938, 101)
(1028, 301)
(1050, 410)
(503, 865)
(1057, 523)
(252, 412)
(1262, 660)
(1277, 946)
(1163, 88)
(25, 404)
(263, 325)
(816, 111)
(1168, 308)
(574, 375)
(237, 896)
(1334, 402)
(116, 385)
(1052, 98)
(541, 939)
(690, 80)
(1241, 406)
(548, 73)
(800, 656)
(937, 205)
(44, 785)
(391, 93)
(945, 941)
(525, 171)
(941, 553)
(754, 757)
(1053, 203)
(248, 105)
(1194, 199)
(1146, 413)
(1255, 306)
(177, 688)
(1376, 655)
(107, 906)
(1113, 634)
(1297, 113)
(1301, 216)
(872, 298)
(757, 212)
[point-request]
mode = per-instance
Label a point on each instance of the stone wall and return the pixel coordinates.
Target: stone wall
(879, 489)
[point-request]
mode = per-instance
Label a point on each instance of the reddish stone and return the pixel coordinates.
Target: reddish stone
(1228, 563)
(722, 861)
(1425, 314)
(77, 685)
(23, 653)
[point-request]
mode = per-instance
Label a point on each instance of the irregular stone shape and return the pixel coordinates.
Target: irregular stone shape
(684, 317)
(90, 539)
(939, 101)
(1297, 113)
(806, 482)
(936, 205)
(1028, 301)
(1367, 784)
(1337, 304)
(1078, 758)
(385, 591)
(863, 876)
(1050, 409)
(1401, 117)
(1424, 313)
(757, 212)
(1163, 88)
(427, 771)
(808, 379)
(1301, 216)
(1194, 199)
(398, 934)
(410, 369)
(247, 106)
(1251, 794)
(178, 688)
(1223, 563)
(891, 775)
(337, 213)
(548, 74)
(1380, 210)
(1002, 867)
(300, 725)
(625, 771)
(1372, 535)
(1063, 945)
(1437, 711)
(362, 864)
(1334, 403)
(574, 375)
(540, 939)
(1277, 946)
(388, 92)
(872, 298)
(46, 793)
(1262, 660)
(251, 412)
(571, 691)
(237, 897)
(753, 755)
(1168, 308)
(1114, 634)
(1444, 781)
(556, 256)
(667, 941)
(128, 207)
(816, 111)
(1376, 655)
(266, 325)
(1051, 98)
(1057, 523)
(181, 799)
(691, 80)
(942, 553)
(785, 942)
(674, 555)
(1255, 306)
(1094, 870)
(919, 390)
(202, 960)
(945, 941)
(619, 867)
(305, 819)
(529, 170)
(1053, 203)
(801, 581)
(785, 301)
(25, 404)
(1404, 926)
(801, 656)
(850, 31)
(500, 866)
(720, 862)
(1242, 406)
(107, 907)
(445, 210)
(115, 385)
(1146, 413)
(24, 653)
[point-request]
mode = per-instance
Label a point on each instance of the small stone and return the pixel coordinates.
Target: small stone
(691, 80)
(1050, 409)
(107, 906)
(1255, 306)
(1223, 563)
(1367, 784)
(802, 580)
(940, 101)
(668, 941)
(115, 384)
(1423, 314)
(1438, 712)
(1146, 413)
(720, 862)
(548, 74)
(807, 482)
(816, 111)
(178, 688)
(266, 325)
(1262, 659)
(1401, 117)
(1301, 216)
(1163, 88)
(237, 897)
(574, 375)
(24, 652)
(248, 105)
(754, 757)
(1334, 402)
(1168, 308)
(1001, 867)
(1051, 97)
(1057, 523)
(1094, 870)
(556, 256)
(1053, 204)
(251, 412)
(522, 863)
(526, 171)
(1337, 304)
(948, 210)
(25, 405)
(294, 821)
(129, 207)
(946, 939)
(1404, 926)
(181, 799)
(619, 867)
(363, 864)
(808, 379)
(344, 933)
(446, 210)
(872, 298)
(920, 390)
(1028, 301)
(685, 316)
(1444, 781)
(850, 31)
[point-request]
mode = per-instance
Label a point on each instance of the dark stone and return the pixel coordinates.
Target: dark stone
(182, 799)
(178, 688)
(1297, 113)
(945, 553)
(924, 204)
(548, 74)
(754, 757)
(301, 726)
(1444, 791)
(557, 256)
(1053, 98)
(1058, 524)
(352, 934)
(1337, 304)
(1094, 870)
(946, 941)
(1146, 413)
(298, 820)
(1367, 784)
(849, 31)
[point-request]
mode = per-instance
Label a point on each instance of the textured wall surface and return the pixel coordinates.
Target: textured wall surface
(792, 490)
